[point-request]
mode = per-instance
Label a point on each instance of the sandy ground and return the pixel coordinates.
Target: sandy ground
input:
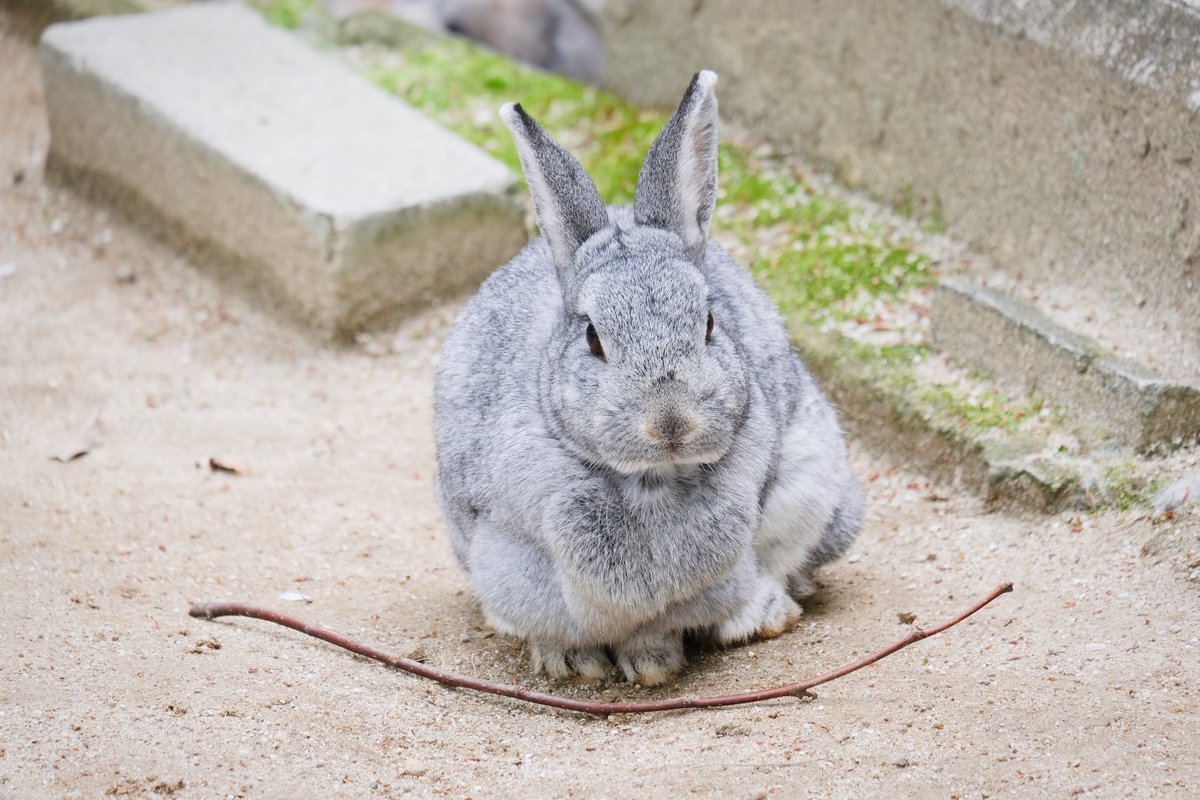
(1081, 683)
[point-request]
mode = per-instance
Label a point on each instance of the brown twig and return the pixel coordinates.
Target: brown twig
(599, 709)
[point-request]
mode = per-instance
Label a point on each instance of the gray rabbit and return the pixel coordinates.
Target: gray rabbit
(628, 449)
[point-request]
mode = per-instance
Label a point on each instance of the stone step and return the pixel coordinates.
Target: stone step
(290, 175)
(1009, 338)
(966, 431)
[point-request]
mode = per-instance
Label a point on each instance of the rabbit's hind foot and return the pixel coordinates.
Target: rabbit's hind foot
(650, 659)
(769, 613)
(576, 664)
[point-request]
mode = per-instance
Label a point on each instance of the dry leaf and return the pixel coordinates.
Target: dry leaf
(907, 617)
(226, 465)
(91, 437)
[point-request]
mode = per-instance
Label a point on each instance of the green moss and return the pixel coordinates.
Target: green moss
(824, 259)
(893, 356)
(290, 14)
(1125, 487)
(824, 267)
(746, 183)
(984, 410)
(892, 367)
(462, 86)
(812, 254)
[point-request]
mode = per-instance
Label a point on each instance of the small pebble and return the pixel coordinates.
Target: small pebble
(730, 729)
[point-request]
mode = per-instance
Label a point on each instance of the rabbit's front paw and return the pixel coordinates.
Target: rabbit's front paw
(585, 664)
(770, 613)
(649, 660)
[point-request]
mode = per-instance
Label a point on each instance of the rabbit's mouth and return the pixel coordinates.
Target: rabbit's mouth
(670, 458)
(681, 454)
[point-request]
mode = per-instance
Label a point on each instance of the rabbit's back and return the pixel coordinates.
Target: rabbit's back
(486, 387)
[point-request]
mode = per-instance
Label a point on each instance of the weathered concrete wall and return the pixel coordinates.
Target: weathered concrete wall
(1059, 137)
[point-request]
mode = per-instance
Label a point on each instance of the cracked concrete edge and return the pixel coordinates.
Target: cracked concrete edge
(359, 304)
(878, 412)
(1009, 338)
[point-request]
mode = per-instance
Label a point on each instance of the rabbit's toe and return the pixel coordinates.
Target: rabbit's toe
(572, 663)
(651, 660)
(770, 613)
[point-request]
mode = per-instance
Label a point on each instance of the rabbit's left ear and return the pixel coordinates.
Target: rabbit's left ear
(677, 187)
(568, 207)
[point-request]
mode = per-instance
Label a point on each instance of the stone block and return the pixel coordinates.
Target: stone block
(1017, 343)
(340, 204)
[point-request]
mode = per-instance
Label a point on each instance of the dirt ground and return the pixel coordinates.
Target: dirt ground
(1084, 682)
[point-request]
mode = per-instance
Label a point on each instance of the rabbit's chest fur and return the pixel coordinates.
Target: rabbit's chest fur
(646, 541)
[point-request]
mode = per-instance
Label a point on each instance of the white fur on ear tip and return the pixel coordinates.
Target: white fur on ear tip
(508, 113)
(707, 79)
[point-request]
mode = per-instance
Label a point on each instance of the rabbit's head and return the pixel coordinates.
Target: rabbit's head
(644, 369)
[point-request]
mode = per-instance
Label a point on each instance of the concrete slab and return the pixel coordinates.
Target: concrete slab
(337, 201)
(1016, 342)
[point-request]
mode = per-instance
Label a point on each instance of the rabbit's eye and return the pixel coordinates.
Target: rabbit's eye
(708, 333)
(593, 340)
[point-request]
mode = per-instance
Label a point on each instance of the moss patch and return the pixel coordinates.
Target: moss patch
(983, 410)
(811, 253)
(823, 271)
(807, 248)
(462, 86)
(1126, 487)
(289, 14)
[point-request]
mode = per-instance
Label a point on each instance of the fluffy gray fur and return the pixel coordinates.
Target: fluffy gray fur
(677, 482)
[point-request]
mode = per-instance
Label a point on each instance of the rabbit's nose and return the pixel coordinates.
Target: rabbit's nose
(670, 427)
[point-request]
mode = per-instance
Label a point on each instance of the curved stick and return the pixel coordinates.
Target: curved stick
(599, 709)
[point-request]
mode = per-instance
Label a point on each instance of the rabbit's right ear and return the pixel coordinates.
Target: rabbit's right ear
(567, 205)
(677, 186)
